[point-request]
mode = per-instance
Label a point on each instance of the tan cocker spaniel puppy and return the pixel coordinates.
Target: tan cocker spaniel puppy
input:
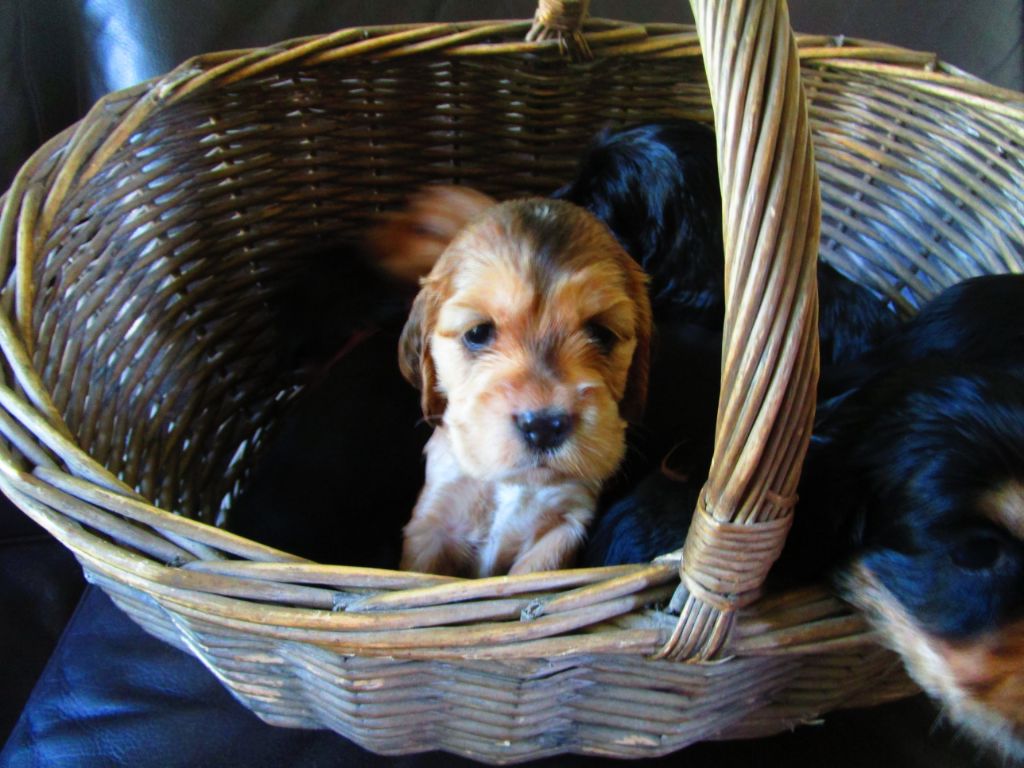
(529, 340)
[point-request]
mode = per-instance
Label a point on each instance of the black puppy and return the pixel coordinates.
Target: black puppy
(328, 485)
(669, 452)
(656, 187)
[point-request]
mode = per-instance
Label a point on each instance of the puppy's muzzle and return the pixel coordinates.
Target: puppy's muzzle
(544, 430)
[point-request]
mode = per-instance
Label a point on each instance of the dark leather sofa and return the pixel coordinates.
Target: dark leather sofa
(82, 685)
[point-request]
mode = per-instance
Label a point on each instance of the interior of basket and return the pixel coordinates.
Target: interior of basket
(158, 310)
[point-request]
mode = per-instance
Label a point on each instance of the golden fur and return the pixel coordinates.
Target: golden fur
(407, 243)
(532, 308)
(979, 680)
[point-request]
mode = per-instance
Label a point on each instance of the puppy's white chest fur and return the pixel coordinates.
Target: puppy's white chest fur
(470, 527)
(522, 514)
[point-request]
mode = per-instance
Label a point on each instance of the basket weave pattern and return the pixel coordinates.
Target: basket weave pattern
(142, 371)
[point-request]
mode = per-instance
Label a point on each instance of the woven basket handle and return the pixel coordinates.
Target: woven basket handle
(771, 219)
(562, 20)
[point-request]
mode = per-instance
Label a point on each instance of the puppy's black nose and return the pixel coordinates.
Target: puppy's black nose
(544, 430)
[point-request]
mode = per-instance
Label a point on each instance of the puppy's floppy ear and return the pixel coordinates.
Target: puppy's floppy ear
(414, 357)
(635, 398)
(406, 244)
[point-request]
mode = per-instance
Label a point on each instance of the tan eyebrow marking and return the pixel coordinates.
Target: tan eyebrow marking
(1005, 506)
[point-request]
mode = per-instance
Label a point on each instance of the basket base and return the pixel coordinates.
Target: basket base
(105, 664)
(505, 713)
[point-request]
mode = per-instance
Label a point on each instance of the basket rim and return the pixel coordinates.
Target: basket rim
(922, 69)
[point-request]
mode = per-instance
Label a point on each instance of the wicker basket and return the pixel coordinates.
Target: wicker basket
(140, 375)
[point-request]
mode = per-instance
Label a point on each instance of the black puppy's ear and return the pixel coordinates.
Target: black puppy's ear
(414, 358)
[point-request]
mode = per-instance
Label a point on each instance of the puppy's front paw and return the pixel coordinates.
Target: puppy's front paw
(427, 548)
(554, 551)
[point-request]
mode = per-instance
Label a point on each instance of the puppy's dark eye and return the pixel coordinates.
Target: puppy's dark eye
(977, 552)
(478, 337)
(602, 336)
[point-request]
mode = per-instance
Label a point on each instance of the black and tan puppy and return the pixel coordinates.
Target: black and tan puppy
(923, 470)
(917, 477)
(912, 498)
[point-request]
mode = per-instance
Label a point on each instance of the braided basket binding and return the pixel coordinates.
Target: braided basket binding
(141, 374)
